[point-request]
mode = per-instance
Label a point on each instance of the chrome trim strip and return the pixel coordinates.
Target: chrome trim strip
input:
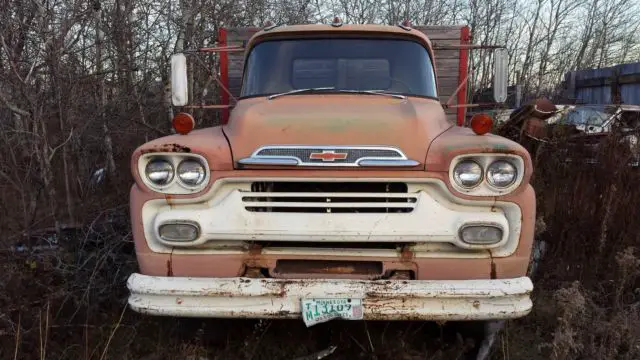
(377, 162)
(276, 160)
(331, 147)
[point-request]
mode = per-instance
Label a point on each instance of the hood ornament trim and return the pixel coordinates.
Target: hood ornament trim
(329, 156)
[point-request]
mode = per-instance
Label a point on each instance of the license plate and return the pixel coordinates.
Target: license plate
(315, 311)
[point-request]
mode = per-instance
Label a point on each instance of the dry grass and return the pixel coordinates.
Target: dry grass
(587, 293)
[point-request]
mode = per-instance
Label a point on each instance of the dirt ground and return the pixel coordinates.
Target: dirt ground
(64, 298)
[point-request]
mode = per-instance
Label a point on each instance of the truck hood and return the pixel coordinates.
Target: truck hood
(409, 125)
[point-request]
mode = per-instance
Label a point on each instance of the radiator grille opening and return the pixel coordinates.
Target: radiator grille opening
(329, 197)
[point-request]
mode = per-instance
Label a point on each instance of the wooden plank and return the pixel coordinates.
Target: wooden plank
(440, 32)
(447, 54)
(448, 42)
(447, 66)
(448, 82)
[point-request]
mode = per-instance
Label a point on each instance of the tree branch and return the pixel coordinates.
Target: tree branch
(53, 151)
(11, 106)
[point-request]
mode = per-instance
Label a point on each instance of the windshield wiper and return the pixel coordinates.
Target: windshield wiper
(298, 91)
(375, 92)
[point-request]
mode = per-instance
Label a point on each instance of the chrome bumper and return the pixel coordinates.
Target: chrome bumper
(281, 298)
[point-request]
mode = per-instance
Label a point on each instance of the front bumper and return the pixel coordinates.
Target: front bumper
(281, 298)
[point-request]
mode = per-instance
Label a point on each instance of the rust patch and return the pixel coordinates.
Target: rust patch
(406, 254)
(169, 199)
(298, 267)
(283, 313)
(255, 249)
(254, 273)
(401, 275)
(492, 272)
(175, 148)
(170, 264)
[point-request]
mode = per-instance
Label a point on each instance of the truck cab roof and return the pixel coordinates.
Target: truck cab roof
(323, 30)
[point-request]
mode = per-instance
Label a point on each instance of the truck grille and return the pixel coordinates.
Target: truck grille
(329, 197)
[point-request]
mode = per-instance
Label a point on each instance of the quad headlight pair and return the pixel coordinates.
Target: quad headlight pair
(486, 175)
(173, 173)
(499, 174)
(161, 172)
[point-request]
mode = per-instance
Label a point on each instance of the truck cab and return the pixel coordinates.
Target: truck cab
(338, 188)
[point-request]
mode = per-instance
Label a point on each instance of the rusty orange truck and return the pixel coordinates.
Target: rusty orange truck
(338, 186)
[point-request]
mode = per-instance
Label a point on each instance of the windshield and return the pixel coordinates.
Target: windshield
(587, 115)
(395, 66)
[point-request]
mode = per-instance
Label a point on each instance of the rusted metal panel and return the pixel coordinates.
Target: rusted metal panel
(616, 84)
(336, 269)
(280, 298)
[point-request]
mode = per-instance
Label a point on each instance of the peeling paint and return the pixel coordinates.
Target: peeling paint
(170, 265)
(493, 273)
(174, 148)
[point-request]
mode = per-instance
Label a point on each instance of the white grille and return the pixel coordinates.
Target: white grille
(329, 197)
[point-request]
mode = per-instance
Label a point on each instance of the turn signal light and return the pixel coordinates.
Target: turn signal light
(179, 231)
(481, 234)
(481, 124)
(183, 123)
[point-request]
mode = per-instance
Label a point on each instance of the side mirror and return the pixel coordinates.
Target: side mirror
(179, 86)
(500, 75)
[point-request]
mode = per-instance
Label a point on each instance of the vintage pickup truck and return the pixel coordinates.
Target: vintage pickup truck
(337, 188)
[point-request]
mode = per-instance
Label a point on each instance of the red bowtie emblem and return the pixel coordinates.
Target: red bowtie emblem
(328, 155)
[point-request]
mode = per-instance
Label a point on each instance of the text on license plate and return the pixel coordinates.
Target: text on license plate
(315, 311)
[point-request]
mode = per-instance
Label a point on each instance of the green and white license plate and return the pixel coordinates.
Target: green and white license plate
(315, 311)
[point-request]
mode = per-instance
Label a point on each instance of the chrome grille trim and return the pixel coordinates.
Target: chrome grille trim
(356, 156)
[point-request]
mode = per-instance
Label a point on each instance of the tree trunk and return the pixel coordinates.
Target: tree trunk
(108, 144)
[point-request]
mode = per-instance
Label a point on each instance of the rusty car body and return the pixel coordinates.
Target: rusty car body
(579, 129)
(337, 175)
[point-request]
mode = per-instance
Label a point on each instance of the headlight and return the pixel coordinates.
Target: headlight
(159, 172)
(191, 172)
(501, 174)
(467, 174)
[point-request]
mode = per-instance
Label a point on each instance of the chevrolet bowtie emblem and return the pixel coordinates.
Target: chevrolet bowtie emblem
(328, 155)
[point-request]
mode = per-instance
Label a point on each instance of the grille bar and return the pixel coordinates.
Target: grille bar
(329, 205)
(324, 195)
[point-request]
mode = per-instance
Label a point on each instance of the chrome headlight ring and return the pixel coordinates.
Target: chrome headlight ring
(190, 173)
(501, 173)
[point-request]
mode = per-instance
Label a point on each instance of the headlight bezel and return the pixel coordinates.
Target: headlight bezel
(485, 160)
(176, 186)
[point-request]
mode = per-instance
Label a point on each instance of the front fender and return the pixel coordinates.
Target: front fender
(209, 143)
